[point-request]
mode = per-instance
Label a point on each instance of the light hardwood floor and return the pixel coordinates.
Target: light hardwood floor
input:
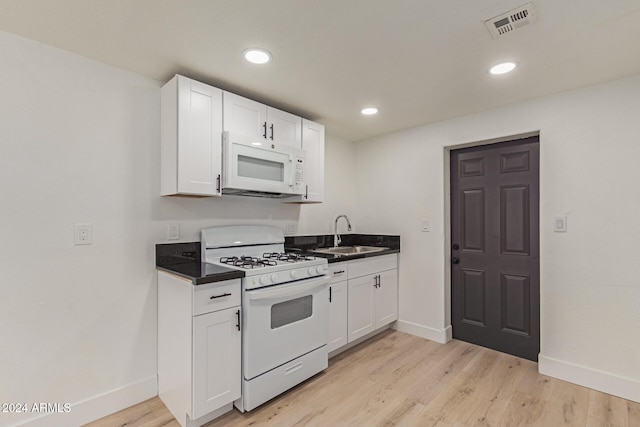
(400, 379)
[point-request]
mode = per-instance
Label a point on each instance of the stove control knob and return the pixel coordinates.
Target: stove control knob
(274, 277)
(312, 271)
(294, 274)
(264, 280)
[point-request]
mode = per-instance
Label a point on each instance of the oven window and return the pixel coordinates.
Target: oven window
(252, 167)
(291, 311)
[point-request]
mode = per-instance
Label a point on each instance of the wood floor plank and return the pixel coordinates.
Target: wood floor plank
(523, 410)
(438, 377)
(633, 413)
(396, 379)
(568, 405)
(495, 392)
(606, 410)
(457, 398)
(536, 384)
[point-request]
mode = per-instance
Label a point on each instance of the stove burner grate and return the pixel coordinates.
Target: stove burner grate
(287, 256)
(247, 261)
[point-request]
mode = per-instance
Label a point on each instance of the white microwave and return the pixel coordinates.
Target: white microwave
(254, 167)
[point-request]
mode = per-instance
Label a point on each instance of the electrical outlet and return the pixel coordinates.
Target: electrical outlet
(291, 229)
(82, 234)
(173, 231)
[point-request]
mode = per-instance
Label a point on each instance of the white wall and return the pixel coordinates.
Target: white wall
(79, 142)
(590, 146)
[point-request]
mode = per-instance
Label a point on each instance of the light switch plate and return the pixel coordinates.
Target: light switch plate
(560, 224)
(424, 225)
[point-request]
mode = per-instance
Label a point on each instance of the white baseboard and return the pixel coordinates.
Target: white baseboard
(441, 336)
(605, 382)
(98, 406)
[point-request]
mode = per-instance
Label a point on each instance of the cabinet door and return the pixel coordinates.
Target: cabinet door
(313, 145)
(337, 315)
(244, 116)
(191, 138)
(284, 128)
(216, 360)
(361, 306)
(386, 298)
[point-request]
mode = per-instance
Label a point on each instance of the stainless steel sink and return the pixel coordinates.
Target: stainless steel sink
(349, 250)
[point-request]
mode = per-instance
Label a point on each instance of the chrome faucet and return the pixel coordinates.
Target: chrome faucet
(336, 236)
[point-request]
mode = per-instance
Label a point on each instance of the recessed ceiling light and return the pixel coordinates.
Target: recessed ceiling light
(503, 68)
(369, 111)
(257, 56)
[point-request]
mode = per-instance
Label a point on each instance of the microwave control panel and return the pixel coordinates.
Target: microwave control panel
(299, 172)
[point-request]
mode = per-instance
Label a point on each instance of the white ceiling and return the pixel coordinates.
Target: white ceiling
(419, 61)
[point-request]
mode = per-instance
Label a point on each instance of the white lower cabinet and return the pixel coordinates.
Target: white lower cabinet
(338, 302)
(386, 298)
(199, 342)
(367, 301)
(216, 360)
(373, 302)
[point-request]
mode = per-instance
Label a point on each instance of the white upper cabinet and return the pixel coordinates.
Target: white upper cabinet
(251, 118)
(245, 116)
(284, 128)
(191, 138)
(313, 145)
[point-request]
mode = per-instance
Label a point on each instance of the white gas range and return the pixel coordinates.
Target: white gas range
(285, 305)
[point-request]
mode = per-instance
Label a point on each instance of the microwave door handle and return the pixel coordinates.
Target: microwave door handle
(291, 169)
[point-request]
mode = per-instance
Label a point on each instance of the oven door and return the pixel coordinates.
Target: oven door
(261, 166)
(283, 322)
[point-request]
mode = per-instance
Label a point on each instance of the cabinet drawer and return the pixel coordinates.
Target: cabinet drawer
(338, 271)
(216, 296)
(375, 264)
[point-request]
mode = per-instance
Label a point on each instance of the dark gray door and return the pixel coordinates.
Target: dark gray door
(495, 279)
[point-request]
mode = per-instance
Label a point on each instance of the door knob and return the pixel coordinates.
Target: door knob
(456, 246)
(455, 260)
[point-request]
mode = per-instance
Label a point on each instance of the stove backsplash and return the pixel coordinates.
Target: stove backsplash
(177, 253)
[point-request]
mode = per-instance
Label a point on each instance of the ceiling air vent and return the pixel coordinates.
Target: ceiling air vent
(507, 22)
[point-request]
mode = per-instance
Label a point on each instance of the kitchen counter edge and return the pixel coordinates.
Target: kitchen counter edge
(183, 259)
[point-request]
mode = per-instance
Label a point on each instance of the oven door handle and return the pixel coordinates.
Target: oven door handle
(288, 291)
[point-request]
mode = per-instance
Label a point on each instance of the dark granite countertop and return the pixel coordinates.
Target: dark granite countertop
(183, 259)
(305, 244)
